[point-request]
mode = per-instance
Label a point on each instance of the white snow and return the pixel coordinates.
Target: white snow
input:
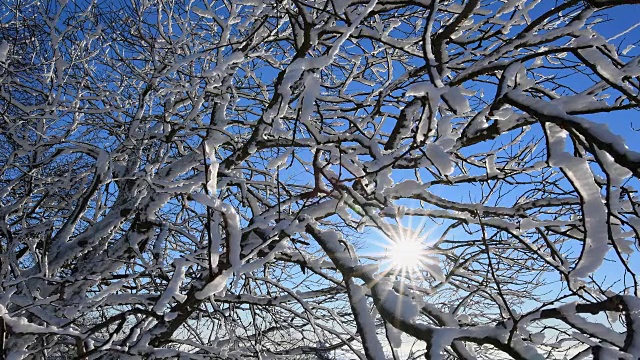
(366, 321)
(215, 286)
(597, 330)
(490, 164)
(279, 160)
(173, 288)
(439, 158)
(210, 155)
(594, 212)
(4, 51)
(454, 97)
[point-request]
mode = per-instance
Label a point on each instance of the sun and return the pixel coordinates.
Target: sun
(406, 255)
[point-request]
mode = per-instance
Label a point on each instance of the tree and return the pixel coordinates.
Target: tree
(202, 180)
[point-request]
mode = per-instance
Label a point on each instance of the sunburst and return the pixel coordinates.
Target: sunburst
(407, 253)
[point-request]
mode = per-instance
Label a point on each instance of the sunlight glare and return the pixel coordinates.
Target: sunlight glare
(406, 254)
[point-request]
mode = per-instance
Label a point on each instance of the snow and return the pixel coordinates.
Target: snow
(594, 329)
(234, 234)
(594, 130)
(279, 160)
(509, 6)
(335, 245)
(432, 266)
(210, 154)
(22, 325)
(232, 226)
(422, 89)
(594, 212)
(400, 305)
(4, 51)
(257, 264)
(202, 12)
(366, 322)
(311, 91)
(216, 286)
(173, 288)
(490, 164)
(439, 158)
(458, 102)
(159, 243)
(441, 338)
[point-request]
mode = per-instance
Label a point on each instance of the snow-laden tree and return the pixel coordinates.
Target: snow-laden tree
(212, 179)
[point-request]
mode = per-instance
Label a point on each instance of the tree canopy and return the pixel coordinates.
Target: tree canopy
(337, 179)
